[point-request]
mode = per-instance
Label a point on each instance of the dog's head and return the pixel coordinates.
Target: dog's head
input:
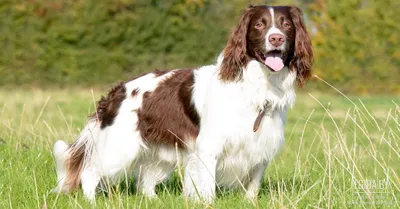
(274, 36)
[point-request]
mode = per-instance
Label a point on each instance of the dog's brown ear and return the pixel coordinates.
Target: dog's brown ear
(235, 54)
(303, 52)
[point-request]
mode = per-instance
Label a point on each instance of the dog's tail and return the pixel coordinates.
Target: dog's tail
(72, 159)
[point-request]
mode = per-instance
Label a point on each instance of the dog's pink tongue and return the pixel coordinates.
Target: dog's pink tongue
(275, 63)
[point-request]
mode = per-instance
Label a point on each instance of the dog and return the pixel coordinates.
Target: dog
(223, 123)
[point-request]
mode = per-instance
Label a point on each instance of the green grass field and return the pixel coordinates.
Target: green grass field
(339, 153)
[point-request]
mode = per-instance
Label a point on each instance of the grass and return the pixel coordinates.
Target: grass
(339, 153)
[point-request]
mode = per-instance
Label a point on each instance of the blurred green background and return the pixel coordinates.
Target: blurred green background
(88, 43)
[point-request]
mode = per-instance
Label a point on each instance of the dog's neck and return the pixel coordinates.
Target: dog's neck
(277, 88)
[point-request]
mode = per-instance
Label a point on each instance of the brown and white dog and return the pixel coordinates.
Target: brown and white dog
(223, 122)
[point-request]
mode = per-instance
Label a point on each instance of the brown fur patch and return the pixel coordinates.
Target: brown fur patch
(74, 166)
(235, 52)
(134, 92)
(107, 107)
(303, 55)
(167, 115)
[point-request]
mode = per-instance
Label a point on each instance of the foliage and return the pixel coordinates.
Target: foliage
(357, 44)
(87, 42)
(90, 42)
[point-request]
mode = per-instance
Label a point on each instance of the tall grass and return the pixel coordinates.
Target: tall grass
(341, 151)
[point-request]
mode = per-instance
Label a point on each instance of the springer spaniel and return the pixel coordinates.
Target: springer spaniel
(224, 123)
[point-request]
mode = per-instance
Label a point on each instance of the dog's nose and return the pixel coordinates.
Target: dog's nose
(276, 39)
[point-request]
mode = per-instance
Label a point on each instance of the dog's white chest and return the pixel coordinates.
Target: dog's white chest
(228, 116)
(243, 152)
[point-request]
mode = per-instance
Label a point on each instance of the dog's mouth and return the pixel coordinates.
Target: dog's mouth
(273, 60)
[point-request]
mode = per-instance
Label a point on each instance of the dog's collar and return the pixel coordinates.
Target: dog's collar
(260, 116)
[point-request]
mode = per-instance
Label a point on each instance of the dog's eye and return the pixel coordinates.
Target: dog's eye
(259, 26)
(286, 25)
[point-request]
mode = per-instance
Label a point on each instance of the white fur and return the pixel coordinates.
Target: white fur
(227, 152)
(118, 151)
(61, 154)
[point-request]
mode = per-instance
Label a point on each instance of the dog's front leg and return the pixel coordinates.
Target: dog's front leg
(256, 177)
(200, 176)
(206, 170)
(200, 181)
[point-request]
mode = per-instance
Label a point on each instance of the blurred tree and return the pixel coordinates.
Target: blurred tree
(89, 42)
(357, 43)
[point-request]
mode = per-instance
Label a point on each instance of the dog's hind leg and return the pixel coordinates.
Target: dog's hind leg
(146, 181)
(155, 168)
(90, 180)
